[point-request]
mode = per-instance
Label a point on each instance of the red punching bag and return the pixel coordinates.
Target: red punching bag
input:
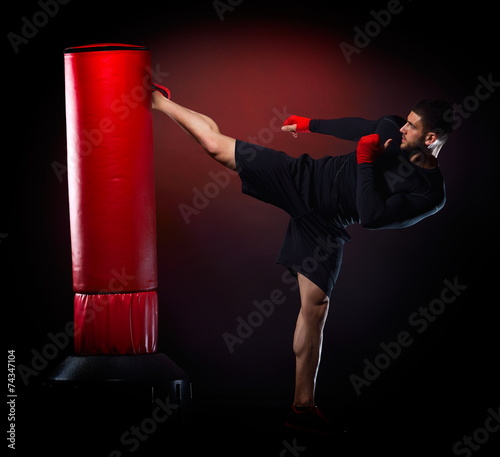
(111, 198)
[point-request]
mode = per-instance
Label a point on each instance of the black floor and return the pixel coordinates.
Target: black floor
(72, 424)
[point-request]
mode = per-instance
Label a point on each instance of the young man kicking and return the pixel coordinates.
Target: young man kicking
(392, 180)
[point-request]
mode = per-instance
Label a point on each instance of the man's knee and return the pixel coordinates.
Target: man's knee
(315, 311)
(314, 307)
(211, 142)
(310, 292)
(221, 148)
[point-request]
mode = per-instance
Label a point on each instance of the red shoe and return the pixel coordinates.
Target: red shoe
(162, 90)
(312, 420)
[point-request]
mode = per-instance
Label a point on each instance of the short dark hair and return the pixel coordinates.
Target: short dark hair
(437, 115)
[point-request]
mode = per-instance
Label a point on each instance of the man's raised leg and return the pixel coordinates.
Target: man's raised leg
(201, 128)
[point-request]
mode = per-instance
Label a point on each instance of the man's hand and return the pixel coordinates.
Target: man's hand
(369, 148)
(296, 124)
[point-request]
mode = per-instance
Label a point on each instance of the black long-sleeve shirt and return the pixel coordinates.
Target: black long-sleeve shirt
(323, 196)
(391, 192)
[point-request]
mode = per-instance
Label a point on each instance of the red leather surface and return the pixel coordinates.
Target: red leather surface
(110, 170)
(116, 323)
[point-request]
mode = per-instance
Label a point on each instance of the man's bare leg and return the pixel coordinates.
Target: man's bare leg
(308, 335)
(201, 128)
(308, 339)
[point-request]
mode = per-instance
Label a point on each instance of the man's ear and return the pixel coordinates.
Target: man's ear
(430, 138)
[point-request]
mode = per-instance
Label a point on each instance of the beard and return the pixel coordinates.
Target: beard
(415, 151)
(414, 147)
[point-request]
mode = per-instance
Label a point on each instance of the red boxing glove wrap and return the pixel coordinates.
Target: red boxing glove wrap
(302, 123)
(368, 148)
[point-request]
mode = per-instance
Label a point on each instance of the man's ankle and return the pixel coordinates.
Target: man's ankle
(302, 406)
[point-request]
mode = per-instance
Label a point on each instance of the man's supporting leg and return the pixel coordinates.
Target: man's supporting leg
(308, 339)
(200, 127)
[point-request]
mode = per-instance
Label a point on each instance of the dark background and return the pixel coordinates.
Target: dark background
(245, 66)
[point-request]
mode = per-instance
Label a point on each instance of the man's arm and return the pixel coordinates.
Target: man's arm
(347, 128)
(397, 211)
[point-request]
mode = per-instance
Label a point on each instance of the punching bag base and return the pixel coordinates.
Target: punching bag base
(124, 382)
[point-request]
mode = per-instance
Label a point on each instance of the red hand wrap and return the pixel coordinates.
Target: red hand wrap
(302, 123)
(368, 148)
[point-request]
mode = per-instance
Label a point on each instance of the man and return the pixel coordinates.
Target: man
(392, 180)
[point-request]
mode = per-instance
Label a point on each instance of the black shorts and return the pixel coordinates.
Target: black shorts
(314, 240)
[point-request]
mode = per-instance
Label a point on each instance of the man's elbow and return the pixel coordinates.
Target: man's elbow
(371, 223)
(375, 222)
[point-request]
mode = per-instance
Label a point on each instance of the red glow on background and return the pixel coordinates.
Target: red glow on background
(244, 77)
(217, 261)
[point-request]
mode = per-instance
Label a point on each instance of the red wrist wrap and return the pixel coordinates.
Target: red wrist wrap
(368, 148)
(302, 123)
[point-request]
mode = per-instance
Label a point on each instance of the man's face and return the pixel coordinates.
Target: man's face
(413, 133)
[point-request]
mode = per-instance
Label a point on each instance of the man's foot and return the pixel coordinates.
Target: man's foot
(311, 419)
(161, 89)
(159, 94)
